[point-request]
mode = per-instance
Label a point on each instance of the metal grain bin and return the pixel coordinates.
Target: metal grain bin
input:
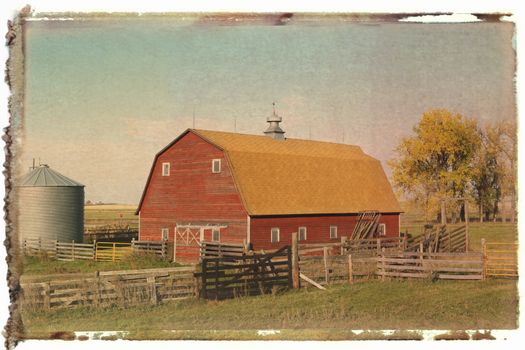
(50, 206)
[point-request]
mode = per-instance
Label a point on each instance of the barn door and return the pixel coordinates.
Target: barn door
(187, 242)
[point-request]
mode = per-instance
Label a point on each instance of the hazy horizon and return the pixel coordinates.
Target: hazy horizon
(103, 97)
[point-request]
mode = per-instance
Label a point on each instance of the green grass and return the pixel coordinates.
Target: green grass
(490, 304)
(40, 266)
(491, 231)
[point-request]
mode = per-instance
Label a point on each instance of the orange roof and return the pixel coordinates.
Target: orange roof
(295, 176)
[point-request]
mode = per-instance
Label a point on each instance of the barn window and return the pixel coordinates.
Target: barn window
(333, 231)
(275, 235)
(381, 229)
(165, 169)
(216, 166)
(165, 233)
(215, 235)
(302, 233)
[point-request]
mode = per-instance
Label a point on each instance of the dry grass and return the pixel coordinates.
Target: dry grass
(372, 305)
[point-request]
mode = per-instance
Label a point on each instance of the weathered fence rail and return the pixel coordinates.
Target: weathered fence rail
(122, 288)
(440, 239)
(501, 259)
(228, 277)
(431, 265)
(216, 249)
(159, 248)
(100, 251)
(74, 251)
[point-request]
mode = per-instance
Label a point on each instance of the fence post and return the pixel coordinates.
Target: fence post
(295, 261)
(466, 226)
(95, 250)
(73, 250)
(204, 272)
(350, 270)
(153, 289)
(405, 242)
(47, 296)
(113, 252)
(39, 245)
(343, 243)
(484, 258)
(325, 260)
(56, 249)
(97, 299)
(378, 245)
(382, 264)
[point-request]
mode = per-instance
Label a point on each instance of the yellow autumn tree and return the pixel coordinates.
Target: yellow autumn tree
(437, 161)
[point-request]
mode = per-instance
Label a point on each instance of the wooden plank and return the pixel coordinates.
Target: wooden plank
(460, 277)
(402, 274)
(312, 282)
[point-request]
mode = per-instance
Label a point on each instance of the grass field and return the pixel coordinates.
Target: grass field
(110, 214)
(39, 266)
(312, 314)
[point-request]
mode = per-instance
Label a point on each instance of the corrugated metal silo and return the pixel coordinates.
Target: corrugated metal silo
(50, 206)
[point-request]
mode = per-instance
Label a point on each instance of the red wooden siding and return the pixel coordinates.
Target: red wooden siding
(192, 193)
(318, 228)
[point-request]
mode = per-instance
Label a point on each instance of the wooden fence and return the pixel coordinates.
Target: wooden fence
(373, 246)
(121, 288)
(159, 248)
(100, 251)
(501, 259)
(228, 277)
(459, 266)
(216, 249)
(74, 251)
(441, 239)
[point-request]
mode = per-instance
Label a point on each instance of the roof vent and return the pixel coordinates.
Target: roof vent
(274, 130)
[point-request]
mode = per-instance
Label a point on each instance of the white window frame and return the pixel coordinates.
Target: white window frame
(333, 227)
(381, 229)
(166, 166)
(213, 162)
(165, 234)
(299, 233)
(278, 235)
(213, 232)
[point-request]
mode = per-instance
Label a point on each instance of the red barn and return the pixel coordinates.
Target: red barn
(235, 188)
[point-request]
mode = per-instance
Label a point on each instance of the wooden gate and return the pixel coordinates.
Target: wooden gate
(501, 259)
(112, 251)
(228, 277)
(187, 240)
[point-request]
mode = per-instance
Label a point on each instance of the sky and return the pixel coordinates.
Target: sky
(104, 96)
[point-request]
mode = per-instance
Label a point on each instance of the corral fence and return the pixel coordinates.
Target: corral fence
(217, 250)
(441, 239)
(228, 277)
(99, 251)
(501, 259)
(106, 288)
(458, 266)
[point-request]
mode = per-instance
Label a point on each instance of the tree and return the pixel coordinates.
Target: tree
(503, 140)
(488, 174)
(437, 161)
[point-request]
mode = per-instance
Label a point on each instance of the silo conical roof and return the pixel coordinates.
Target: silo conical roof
(44, 176)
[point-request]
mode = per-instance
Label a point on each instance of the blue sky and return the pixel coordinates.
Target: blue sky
(103, 96)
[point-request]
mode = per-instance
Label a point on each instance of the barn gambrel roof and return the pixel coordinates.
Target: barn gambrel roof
(298, 177)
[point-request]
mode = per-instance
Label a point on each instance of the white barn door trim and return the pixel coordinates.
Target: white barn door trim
(190, 235)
